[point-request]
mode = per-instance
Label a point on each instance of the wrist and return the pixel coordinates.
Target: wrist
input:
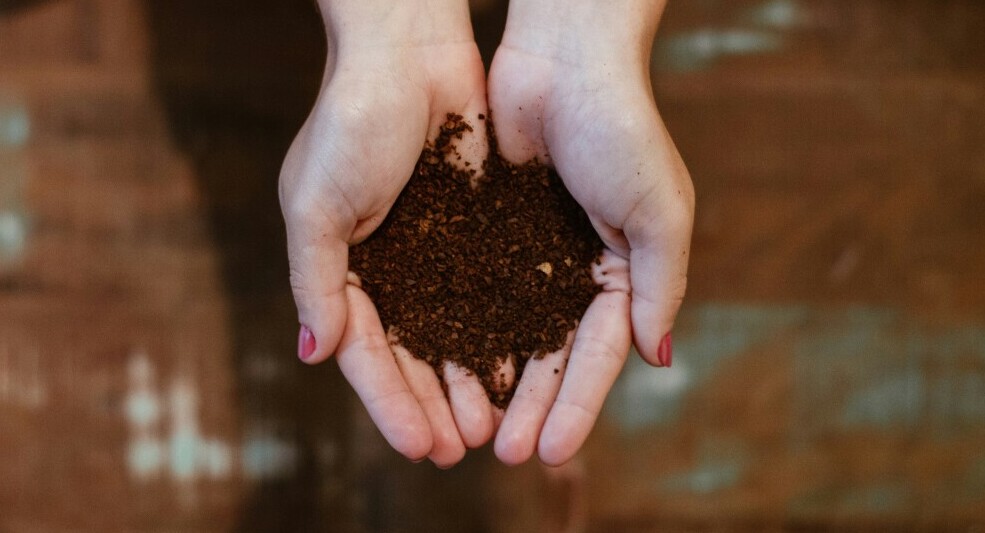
(584, 31)
(372, 24)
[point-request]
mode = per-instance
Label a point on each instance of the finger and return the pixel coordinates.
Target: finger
(367, 363)
(447, 448)
(659, 234)
(517, 104)
(516, 439)
(467, 98)
(598, 354)
(318, 255)
(318, 265)
(469, 405)
(507, 373)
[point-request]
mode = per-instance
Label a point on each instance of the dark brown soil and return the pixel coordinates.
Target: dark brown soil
(479, 274)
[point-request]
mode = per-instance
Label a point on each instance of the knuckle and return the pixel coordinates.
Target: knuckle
(596, 348)
(300, 285)
(579, 408)
(371, 344)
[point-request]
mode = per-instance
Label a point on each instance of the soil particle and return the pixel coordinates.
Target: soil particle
(479, 274)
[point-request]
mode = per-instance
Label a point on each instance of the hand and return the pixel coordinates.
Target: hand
(570, 85)
(394, 70)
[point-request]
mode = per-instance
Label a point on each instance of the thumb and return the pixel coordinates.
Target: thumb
(318, 279)
(318, 256)
(517, 103)
(658, 231)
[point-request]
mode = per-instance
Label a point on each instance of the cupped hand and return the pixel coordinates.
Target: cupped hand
(570, 86)
(393, 73)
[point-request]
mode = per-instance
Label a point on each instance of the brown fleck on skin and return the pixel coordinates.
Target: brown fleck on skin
(457, 272)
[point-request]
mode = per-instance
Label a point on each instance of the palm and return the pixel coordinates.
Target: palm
(362, 139)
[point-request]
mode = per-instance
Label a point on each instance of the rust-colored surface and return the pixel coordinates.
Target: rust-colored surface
(830, 360)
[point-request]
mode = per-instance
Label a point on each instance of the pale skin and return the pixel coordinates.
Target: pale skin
(569, 85)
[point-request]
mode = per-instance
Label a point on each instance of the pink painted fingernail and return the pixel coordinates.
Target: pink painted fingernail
(306, 343)
(665, 353)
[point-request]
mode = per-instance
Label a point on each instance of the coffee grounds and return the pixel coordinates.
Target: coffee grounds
(478, 274)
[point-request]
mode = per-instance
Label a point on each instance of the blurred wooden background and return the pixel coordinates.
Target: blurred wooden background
(830, 365)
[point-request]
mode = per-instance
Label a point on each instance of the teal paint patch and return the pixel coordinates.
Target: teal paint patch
(956, 402)
(645, 396)
(13, 236)
(780, 14)
(705, 479)
(145, 458)
(856, 368)
(873, 499)
(960, 342)
(872, 368)
(712, 331)
(183, 447)
(267, 457)
(883, 371)
(722, 463)
(850, 332)
(701, 49)
(891, 402)
(721, 466)
(15, 124)
(14, 222)
(757, 30)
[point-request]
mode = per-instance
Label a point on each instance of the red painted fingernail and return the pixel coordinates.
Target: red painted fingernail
(665, 353)
(306, 343)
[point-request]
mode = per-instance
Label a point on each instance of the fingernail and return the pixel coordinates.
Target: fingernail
(306, 343)
(665, 353)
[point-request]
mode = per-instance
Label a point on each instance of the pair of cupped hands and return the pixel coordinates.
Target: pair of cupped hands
(569, 85)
